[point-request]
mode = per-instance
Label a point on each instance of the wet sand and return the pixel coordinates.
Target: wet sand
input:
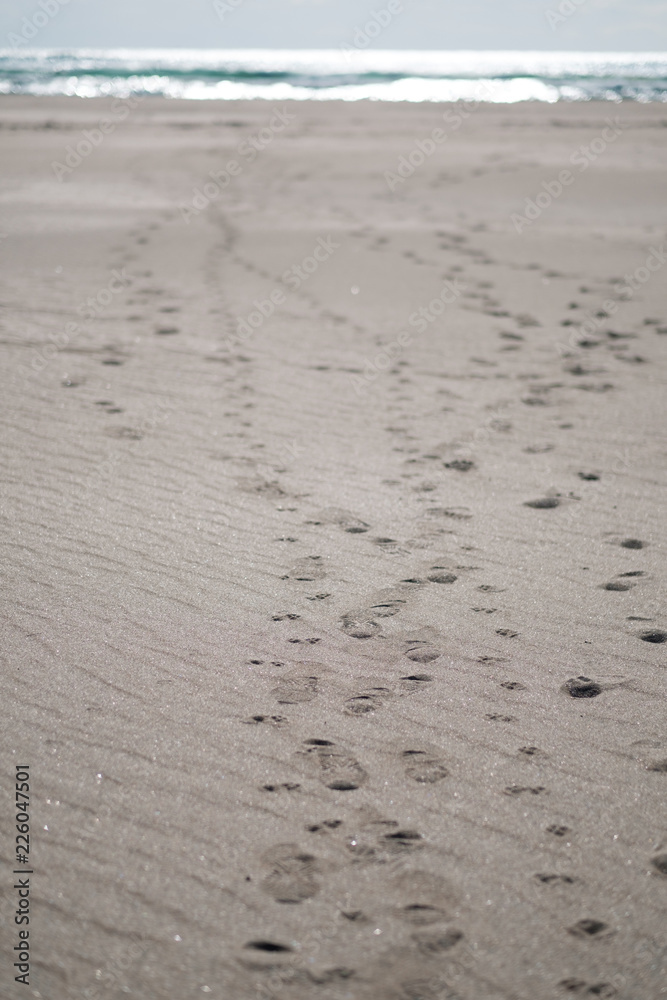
(332, 547)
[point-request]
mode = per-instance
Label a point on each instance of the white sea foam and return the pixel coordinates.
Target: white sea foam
(342, 74)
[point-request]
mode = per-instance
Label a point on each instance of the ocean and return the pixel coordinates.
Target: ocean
(346, 73)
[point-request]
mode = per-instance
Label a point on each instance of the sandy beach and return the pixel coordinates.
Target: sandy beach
(333, 453)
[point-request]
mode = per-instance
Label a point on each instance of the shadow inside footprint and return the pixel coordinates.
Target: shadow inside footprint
(582, 687)
(268, 946)
(421, 914)
(588, 928)
(659, 862)
(654, 636)
(632, 543)
(543, 503)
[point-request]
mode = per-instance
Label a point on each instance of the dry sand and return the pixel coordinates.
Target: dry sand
(287, 640)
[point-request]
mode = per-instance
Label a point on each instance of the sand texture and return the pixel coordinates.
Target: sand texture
(335, 648)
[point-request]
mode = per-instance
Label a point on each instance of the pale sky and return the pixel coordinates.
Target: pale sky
(599, 25)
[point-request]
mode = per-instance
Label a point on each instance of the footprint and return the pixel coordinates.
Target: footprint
(435, 943)
(308, 569)
(422, 652)
(265, 956)
(367, 701)
(654, 636)
(124, 433)
(401, 841)
(582, 687)
(274, 720)
(412, 683)
(326, 824)
(520, 789)
(272, 947)
(166, 331)
(617, 585)
(424, 767)
(261, 487)
(438, 576)
(659, 862)
(290, 874)
(578, 986)
(513, 686)
(337, 770)
(558, 831)
(589, 928)
(552, 879)
(344, 519)
(460, 465)
(543, 503)
(296, 688)
(359, 628)
(421, 914)
(633, 543)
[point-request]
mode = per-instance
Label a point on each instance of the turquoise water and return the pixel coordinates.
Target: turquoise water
(337, 74)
